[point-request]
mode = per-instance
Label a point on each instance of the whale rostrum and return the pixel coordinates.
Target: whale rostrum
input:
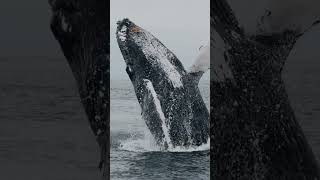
(170, 100)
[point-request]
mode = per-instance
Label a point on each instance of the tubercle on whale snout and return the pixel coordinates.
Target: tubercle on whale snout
(126, 30)
(122, 30)
(125, 21)
(128, 24)
(124, 27)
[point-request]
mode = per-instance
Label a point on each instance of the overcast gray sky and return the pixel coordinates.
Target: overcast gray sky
(181, 25)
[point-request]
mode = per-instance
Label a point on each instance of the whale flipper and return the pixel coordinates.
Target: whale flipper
(153, 115)
(201, 64)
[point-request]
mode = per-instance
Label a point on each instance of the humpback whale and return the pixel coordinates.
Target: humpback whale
(82, 29)
(254, 132)
(170, 100)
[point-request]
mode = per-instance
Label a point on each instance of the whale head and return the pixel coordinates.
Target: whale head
(146, 57)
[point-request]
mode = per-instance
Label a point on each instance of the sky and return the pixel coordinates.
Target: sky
(181, 25)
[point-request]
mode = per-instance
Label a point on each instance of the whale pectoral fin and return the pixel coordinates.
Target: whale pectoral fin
(152, 112)
(195, 76)
(200, 65)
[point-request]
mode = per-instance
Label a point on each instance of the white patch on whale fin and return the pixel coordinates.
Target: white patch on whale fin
(152, 109)
(201, 64)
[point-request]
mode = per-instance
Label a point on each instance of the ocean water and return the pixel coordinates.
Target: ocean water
(133, 152)
(45, 134)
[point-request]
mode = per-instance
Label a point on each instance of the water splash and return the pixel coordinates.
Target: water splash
(146, 143)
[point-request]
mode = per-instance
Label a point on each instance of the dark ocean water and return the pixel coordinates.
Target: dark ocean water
(44, 133)
(134, 154)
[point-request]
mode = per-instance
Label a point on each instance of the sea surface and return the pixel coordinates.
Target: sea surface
(133, 152)
(45, 134)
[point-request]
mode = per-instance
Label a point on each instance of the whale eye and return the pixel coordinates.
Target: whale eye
(130, 71)
(129, 68)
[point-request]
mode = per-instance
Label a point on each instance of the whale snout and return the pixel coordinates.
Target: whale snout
(125, 23)
(132, 37)
(125, 27)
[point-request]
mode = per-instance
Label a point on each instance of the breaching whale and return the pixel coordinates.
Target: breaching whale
(170, 100)
(81, 28)
(255, 134)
